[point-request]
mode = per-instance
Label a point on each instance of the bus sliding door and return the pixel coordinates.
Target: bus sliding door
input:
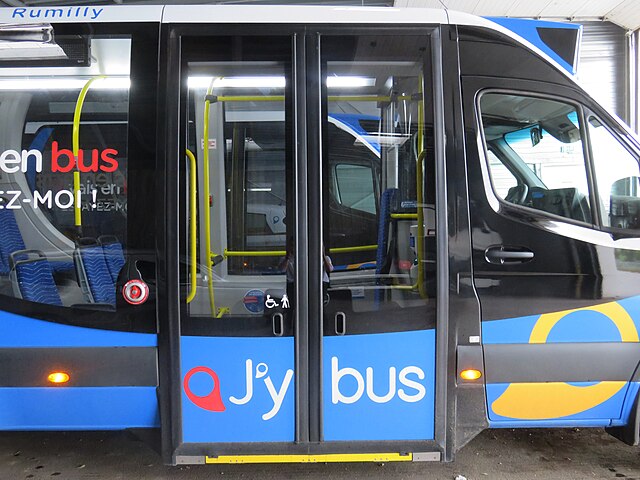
(272, 171)
(377, 251)
(236, 342)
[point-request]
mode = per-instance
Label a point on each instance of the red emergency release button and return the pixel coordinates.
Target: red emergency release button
(135, 292)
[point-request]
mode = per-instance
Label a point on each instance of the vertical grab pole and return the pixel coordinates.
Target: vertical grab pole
(207, 196)
(76, 149)
(193, 207)
(419, 193)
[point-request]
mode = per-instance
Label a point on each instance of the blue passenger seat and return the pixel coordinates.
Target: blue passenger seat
(10, 238)
(32, 277)
(113, 255)
(11, 241)
(93, 272)
(385, 239)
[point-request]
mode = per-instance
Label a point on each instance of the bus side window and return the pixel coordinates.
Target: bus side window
(65, 238)
(504, 182)
(538, 141)
(617, 178)
(355, 187)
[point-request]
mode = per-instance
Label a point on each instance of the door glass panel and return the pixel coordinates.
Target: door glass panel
(237, 345)
(238, 100)
(539, 142)
(374, 134)
(617, 178)
(379, 237)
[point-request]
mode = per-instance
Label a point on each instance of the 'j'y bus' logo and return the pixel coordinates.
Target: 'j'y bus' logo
(409, 378)
(212, 401)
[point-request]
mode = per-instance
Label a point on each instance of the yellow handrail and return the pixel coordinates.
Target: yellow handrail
(193, 207)
(331, 98)
(281, 253)
(75, 137)
(250, 98)
(254, 253)
(361, 248)
(419, 193)
(404, 216)
(207, 209)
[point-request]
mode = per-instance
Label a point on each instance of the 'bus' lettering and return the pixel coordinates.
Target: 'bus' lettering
(99, 161)
(392, 386)
(56, 154)
(338, 374)
(421, 391)
(110, 163)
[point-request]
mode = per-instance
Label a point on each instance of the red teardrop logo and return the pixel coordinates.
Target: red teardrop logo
(211, 401)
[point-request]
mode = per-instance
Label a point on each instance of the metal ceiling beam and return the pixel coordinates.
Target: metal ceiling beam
(13, 3)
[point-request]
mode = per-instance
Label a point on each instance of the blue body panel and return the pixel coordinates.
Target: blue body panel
(352, 120)
(78, 408)
(379, 386)
(600, 415)
(23, 332)
(527, 29)
(229, 385)
(73, 408)
(611, 322)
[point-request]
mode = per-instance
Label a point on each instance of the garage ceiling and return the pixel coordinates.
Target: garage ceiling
(625, 13)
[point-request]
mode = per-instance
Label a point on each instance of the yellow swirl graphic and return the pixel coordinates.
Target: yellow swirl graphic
(613, 311)
(543, 401)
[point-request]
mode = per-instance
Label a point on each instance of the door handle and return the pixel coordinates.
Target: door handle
(341, 323)
(277, 324)
(504, 255)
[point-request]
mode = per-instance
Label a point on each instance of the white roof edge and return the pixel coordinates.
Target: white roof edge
(304, 14)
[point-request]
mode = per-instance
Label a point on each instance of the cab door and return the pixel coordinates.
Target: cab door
(559, 322)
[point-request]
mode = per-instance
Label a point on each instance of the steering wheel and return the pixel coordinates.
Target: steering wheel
(518, 194)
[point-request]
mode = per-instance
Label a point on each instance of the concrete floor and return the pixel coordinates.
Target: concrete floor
(565, 454)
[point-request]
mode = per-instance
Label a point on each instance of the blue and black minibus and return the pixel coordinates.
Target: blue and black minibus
(311, 234)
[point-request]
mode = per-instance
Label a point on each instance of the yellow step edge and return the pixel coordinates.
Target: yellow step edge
(323, 458)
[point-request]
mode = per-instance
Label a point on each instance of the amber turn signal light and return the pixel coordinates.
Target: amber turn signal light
(470, 374)
(58, 377)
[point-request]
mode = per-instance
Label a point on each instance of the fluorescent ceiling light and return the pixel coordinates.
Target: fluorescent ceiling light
(349, 81)
(10, 51)
(123, 82)
(237, 82)
(28, 42)
(62, 83)
(384, 139)
(275, 82)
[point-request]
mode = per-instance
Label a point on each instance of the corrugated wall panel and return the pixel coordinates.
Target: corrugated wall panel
(601, 68)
